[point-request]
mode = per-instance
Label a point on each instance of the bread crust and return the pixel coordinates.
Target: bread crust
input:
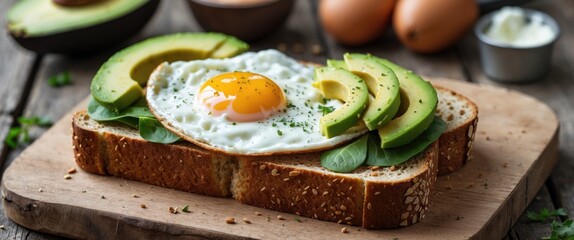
(456, 143)
(292, 183)
(374, 203)
(180, 166)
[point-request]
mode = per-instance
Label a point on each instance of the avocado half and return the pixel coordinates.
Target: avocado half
(46, 27)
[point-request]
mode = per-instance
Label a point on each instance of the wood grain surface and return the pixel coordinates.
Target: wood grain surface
(24, 91)
(513, 154)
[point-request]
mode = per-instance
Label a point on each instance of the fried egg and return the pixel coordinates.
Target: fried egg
(257, 103)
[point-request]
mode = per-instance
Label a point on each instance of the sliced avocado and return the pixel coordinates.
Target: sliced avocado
(418, 104)
(118, 83)
(337, 83)
(45, 26)
(231, 47)
(337, 63)
(382, 83)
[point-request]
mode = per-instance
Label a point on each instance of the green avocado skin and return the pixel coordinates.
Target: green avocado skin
(418, 104)
(79, 29)
(119, 81)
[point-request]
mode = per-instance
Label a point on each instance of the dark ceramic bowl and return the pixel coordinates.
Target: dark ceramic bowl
(247, 21)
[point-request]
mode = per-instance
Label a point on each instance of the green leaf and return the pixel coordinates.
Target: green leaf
(152, 130)
(395, 156)
(100, 113)
(545, 214)
(562, 231)
(35, 121)
(60, 79)
(347, 158)
(13, 137)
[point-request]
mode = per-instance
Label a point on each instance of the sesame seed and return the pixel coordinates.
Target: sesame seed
(348, 218)
(294, 173)
(344, 230)
(40, 190)
(377, 193)
(262, 167)
(67, 177)
(135, 195)
(280, 217)
(374, 174)
(246, 220)
(325, 193)
(343, 207)
(72, 170)
(304, 192)
(143, 206)
(253, 163)
(285, 179)
(392, 168)
(262, 189)
(338, 212)
(369, 206)
(257, 214)
(314, 191)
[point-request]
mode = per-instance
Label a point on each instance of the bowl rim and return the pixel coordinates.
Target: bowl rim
(486, 20)
(222, 5)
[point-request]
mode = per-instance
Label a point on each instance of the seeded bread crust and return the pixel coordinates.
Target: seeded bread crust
(373, 197)
(112, 149)
(461, 117)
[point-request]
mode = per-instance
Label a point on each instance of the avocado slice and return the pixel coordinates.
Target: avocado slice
(418, 104)
(337, 83)
(46, 27)
(383, 85)
(337, 63)
(118, 83)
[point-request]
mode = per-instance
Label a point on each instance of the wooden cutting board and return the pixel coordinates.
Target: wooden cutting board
(515, 149)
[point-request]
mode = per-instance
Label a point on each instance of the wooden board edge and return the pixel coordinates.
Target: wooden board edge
(523, 193)
(32, 214)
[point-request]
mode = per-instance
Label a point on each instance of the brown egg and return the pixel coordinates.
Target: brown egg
(355, 22)
(430, 26)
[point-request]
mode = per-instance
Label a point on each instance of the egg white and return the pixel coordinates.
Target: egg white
(171, 96)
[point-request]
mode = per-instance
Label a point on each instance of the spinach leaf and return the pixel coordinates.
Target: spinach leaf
(100, 113)
(394, 156)
(59, 80)
(152, 130)
(347, 158)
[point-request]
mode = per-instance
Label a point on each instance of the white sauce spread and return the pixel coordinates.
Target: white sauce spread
(511, 26)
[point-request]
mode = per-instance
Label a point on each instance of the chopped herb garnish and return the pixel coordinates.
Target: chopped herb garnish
(279, 132)
(545, 214)
(185, 209)
(21, 135)
(60, 79)
(325, 109)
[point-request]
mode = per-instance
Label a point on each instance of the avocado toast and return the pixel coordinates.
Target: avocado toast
(376, 196)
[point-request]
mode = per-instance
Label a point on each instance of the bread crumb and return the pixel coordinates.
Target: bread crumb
(246, 220)
(257, 214)
(72, 170)
(40, 190)
(392, 168)
(230, 220)
(2, 227)
(344, 230)
(280, 217)
(470, 185)
(294, 173)
(135, 195)
(67, 177)
(505, 165)
(173, 210)
(143, 206)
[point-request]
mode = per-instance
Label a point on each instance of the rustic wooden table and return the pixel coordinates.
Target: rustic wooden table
(24, 89)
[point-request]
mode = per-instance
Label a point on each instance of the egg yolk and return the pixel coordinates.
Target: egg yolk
(242, 96)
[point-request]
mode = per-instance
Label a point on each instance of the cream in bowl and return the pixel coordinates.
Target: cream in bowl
(516, 43)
